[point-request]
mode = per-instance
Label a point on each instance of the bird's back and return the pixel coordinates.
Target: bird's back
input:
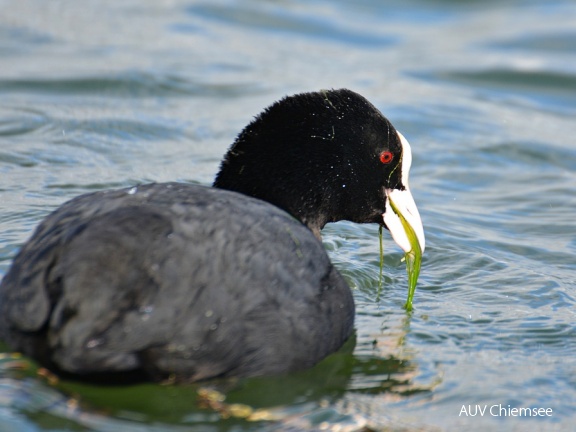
(173, 280)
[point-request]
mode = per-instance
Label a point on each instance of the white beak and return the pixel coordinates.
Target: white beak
(405, 205)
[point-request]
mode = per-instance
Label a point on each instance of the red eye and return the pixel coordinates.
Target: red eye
(386, 157)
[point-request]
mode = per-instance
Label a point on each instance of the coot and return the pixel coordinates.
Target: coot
(188, 282)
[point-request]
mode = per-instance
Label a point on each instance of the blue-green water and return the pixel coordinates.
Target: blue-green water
(101, 94)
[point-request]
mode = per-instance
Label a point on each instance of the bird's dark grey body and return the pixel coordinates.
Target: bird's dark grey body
(195, 292)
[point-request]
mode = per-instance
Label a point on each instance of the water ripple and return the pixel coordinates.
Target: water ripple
(562, 42)
(130, 84)
(545, 88)
(276, 20)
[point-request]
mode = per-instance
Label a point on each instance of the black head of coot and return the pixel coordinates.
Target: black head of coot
(317, 156)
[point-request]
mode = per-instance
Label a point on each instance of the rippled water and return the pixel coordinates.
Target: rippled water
(101, 94)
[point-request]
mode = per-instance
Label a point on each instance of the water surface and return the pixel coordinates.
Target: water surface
(97, 95)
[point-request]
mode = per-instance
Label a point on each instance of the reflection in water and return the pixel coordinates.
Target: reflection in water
(304, 400)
